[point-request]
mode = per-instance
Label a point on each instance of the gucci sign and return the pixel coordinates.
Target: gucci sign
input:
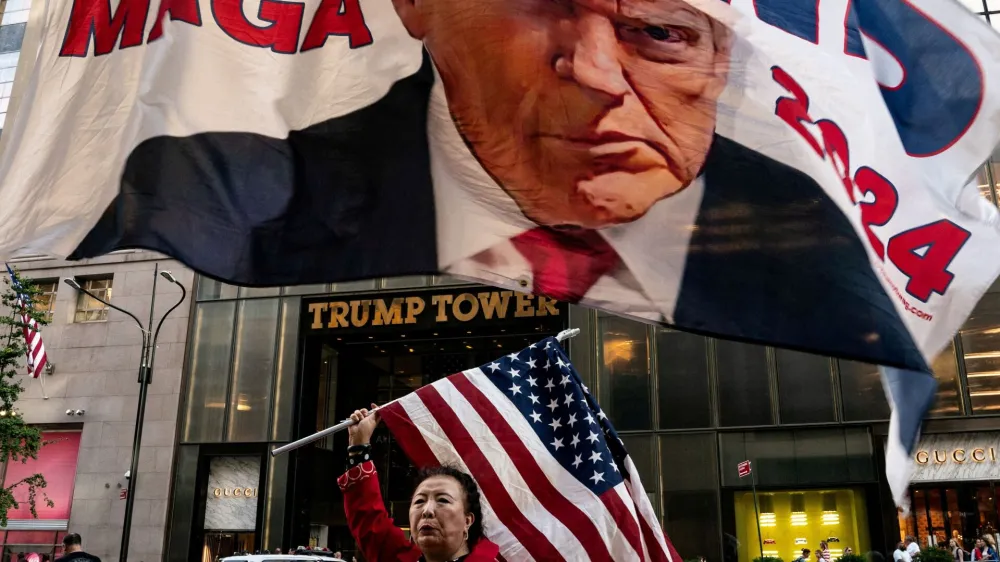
(943, 457)
(979, 454)
(236, 492)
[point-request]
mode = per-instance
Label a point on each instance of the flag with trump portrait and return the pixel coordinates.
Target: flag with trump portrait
(556, 480)
(791, 173)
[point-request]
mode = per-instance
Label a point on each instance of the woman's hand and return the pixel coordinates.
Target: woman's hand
(365, 421)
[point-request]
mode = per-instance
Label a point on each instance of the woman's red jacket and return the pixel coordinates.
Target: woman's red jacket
(372, 528)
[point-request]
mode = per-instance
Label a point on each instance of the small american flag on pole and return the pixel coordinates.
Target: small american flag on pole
(32, 331)
(556, 480)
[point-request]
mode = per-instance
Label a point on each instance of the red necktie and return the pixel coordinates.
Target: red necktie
(566, 264)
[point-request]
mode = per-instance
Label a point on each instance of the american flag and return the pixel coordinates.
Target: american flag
(556, 481)
(32, 331)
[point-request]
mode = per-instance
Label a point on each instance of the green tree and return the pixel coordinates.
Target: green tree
(935, 554)
(18, 441)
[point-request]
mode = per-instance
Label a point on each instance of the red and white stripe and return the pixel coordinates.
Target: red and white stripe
(33, 339)
(533, 508)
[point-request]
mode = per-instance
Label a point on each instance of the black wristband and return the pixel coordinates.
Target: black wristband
(363, 448)
(357, 454)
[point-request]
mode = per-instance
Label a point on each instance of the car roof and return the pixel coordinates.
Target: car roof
(269, 557)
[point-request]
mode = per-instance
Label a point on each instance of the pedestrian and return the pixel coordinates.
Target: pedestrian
(957, 552)
(73, 550)
(446, 515)
(900, 554)
(991, 548)
(824, 552)
(912, 547)
(804, 557)
(848, 551)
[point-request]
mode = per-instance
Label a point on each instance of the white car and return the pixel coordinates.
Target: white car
(281, 558)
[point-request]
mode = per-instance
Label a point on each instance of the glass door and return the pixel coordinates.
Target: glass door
(219, 545)
(986, 510)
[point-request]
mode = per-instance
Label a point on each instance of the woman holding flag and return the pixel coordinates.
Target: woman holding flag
(445, 511)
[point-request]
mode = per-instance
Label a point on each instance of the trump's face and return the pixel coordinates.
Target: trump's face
(587, 112)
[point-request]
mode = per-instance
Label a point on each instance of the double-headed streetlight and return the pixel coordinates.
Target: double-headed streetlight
(145, 378)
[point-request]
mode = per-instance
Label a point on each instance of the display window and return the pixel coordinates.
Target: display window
(793, 520)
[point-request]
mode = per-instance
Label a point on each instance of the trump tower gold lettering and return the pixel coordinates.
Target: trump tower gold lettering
(399, 311)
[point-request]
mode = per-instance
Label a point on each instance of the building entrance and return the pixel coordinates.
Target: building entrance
(345, 368)
(220, 544)
(945, 511)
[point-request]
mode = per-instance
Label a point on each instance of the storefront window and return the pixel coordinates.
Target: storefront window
(253, 370)
(40, 546)
(405, 282)
(255, 292)
(744, 389)
(948, 401)
(625, 380)
(57, 462)
(350, 286)
(800, 457)
(805, 387)
(984, 183)
(208, 371)
(964, 512)
(861, 392)
(284, 392)
(691, 494)
(642, 450)
(682, 379)
(210, 289)
(37, 536)
(439, 280)
(981, 344)
(306, 289)
(793, 520)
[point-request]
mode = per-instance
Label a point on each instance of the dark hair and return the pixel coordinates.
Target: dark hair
(805, 552)
(72, 539)
(473, 503)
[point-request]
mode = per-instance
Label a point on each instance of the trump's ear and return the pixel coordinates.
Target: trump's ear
(409, 14)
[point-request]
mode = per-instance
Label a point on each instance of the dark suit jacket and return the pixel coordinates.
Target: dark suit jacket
(773, 259)
(348, 198)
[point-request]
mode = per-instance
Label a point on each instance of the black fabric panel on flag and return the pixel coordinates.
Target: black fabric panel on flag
(349, 198)
(774, 261)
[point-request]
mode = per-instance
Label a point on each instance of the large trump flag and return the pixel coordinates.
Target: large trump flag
(788, 172)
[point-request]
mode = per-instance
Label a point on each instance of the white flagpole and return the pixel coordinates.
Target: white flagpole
(41, 381)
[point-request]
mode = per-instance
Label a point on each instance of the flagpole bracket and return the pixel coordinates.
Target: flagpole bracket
(566, 334)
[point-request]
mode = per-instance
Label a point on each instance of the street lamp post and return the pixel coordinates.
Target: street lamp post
(145, 378)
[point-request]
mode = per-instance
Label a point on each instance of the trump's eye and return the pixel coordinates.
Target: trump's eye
(662, 33)
(663, 43)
